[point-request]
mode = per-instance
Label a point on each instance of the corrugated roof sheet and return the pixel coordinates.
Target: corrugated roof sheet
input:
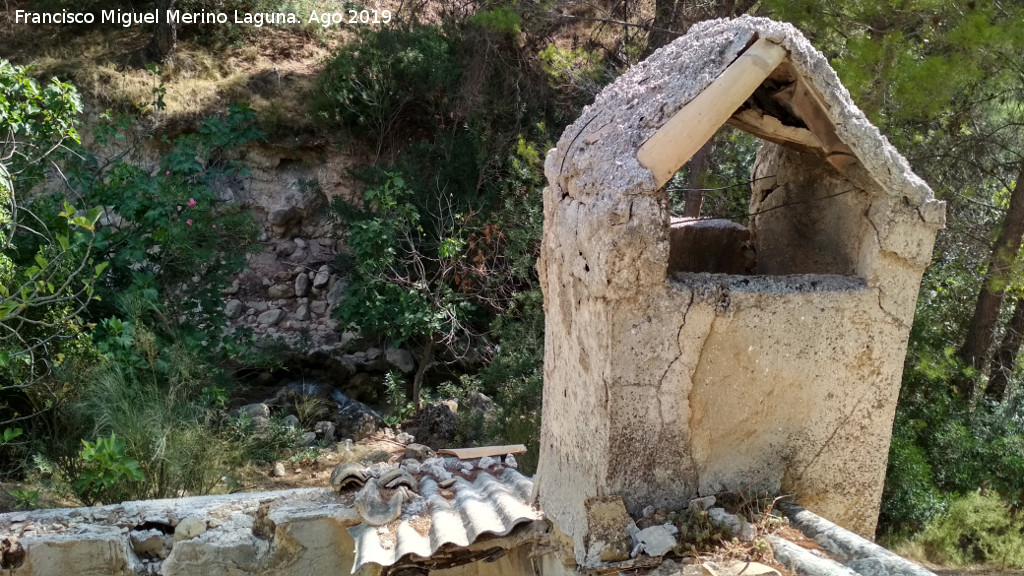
(493, 502)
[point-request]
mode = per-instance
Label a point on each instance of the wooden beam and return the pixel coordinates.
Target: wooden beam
(665, 152)
(770, 128)
(474, 453)
(807, 105)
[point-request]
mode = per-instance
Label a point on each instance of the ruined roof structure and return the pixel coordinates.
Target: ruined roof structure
(668, 378)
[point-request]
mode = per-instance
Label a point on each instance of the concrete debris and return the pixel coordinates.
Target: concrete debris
(655, 540)
(188, 528)
(738, 525)
(151, 544)
(12, 555)
(609, 532)
(418, 452)
(699, 504)
(510, 462)
(435, 467)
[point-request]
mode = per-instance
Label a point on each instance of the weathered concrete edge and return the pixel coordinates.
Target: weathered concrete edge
(856, 553)
(205, 534)
(280, 533)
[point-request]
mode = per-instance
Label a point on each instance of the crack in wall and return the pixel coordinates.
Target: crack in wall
(691, 402)
(899, 322)
(799, 476)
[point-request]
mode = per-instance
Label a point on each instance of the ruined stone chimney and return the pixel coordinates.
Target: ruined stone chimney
(763, 355)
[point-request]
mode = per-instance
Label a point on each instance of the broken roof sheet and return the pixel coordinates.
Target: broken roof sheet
(599, 151)
(491, 501)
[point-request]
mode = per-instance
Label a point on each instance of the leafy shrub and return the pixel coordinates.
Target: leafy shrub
(977, 529)
(910, 499)
(47, 271)
(150, 393)
(499, 20)
(386, 77)
(25, 499)
(175, 227)
(444, 246)
(515, 376)
(104, 466)
(155, 381)
(574, 66)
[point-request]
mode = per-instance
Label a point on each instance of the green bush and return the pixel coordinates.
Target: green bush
(153, 377)
(389, 77)
(444, 247)
(943, 446)
(977, 529)
(153, 392)
(104, 467)
(910, 499)
(498, 20)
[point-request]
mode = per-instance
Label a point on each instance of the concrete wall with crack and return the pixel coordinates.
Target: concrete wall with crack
(664, 383)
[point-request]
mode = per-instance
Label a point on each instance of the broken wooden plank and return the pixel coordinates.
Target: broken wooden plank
(480, 452)
(665, 152)
(770, 128)
(807, 105)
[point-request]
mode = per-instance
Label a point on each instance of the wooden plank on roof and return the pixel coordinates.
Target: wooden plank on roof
(665, 152)
(807, 105)
(474, 453)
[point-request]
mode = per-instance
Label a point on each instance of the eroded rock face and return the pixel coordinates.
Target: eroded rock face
(663, 387)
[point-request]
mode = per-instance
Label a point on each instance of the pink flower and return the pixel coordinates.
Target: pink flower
(189, 222)
(191, 202)
(168, 173)
(214, 226)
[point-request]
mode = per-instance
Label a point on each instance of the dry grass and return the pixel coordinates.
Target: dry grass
(274, 72)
